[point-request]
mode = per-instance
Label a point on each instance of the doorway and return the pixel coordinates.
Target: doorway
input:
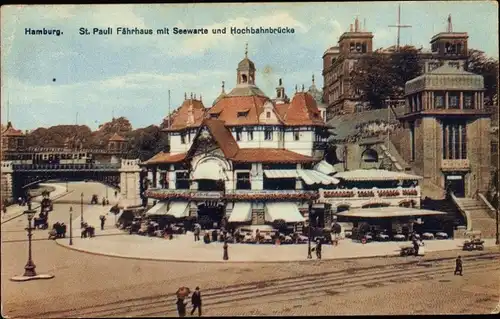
(210, 213)
(456, 184)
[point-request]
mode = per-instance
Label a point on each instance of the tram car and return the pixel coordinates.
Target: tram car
(52, 157)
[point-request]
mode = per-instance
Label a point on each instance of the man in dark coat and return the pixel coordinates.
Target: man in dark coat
(181, 307)
(196, 301)
(458, 266)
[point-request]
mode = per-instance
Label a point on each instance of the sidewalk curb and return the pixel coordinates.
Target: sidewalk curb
(250, 262)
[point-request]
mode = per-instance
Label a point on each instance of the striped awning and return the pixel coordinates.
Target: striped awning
(375, 175)
(178, 209)
(311, 177)
(287, 211)
(281, 173)
(242, 212)
(325, 168)
(159, 209)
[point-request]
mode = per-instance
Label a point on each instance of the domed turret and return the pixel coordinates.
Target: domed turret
(246, 70)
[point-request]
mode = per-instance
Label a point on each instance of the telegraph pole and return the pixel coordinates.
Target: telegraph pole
(399, 26)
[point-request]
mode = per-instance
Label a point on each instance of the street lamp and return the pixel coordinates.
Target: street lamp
(497, 239)
(29, 269)
(81, 208)
(309, 254)
(71, 226)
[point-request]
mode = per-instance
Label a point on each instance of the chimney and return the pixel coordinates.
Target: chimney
(356, 25)
(351, 28)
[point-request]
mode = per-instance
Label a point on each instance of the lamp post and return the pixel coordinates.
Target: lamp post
(309, 254)
(71, 226)
(497, 239)
(29, 269)
(81, 208)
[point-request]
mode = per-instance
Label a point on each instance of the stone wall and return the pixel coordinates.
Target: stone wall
(478, 153)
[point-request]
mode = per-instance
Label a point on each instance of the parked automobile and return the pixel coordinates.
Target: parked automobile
(382, 236)
(441, 235)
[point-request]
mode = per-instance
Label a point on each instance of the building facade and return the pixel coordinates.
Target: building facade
(252, 159)
(339, 61)
(446, 130)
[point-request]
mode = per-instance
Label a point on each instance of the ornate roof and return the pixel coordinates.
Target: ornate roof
(445, 77)
(189, 115)
(231, 108)
(10, 131)
(302, 110)
(246, 64)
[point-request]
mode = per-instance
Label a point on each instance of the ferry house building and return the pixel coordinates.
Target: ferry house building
(254, 160)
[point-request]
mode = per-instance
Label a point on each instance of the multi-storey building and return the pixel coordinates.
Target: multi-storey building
(253, 159)
(339, 61)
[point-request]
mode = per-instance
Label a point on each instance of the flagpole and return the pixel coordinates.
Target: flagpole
(168, 115)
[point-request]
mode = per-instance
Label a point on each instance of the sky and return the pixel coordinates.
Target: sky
(101, 76)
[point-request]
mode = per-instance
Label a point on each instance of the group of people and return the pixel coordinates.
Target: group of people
(87, 230)
(195, 301)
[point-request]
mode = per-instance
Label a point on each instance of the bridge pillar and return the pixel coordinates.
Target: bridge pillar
(6, 184)
(130, 183)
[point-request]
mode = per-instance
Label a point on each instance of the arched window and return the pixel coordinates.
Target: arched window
(243, 78)
(369, 156)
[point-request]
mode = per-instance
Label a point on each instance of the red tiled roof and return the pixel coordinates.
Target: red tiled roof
(270, 155)
(222, 136)
(11, 131)
(282, 109)
(116, 138)
(165, 158)
(180, 118)
(303, 111)
(228, 108)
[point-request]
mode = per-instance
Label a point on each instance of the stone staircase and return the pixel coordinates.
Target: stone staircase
(481, 218)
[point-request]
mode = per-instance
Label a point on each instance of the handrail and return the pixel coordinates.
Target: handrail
(464, 212)
(492, 211)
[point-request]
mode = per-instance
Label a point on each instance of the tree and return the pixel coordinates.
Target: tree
(59, 136)
(406, 65)
(481, 64)
(146, 142)
(373, 78)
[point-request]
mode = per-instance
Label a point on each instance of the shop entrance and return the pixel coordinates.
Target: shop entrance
(456, 184)
(210, 212)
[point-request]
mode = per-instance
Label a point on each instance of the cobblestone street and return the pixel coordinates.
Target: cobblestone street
(86, 285)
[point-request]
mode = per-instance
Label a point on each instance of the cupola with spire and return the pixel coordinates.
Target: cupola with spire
(246, 70)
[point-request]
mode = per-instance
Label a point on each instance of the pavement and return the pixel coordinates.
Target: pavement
(16, 209)
(118, 243)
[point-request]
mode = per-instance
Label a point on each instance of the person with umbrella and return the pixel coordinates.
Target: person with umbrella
(182, 293)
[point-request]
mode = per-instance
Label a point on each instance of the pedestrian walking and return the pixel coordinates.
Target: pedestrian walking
(196, 301)
(415, 247)
(103, 220)
(196, 233)
(181, 307)
(103, 201)
(225, 247)
(318, 248)
(458, 266)
(116, 193)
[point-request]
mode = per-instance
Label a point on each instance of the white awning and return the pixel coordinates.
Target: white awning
(178, 209)
(325, 168)
(242, 212)
(380, 212)
(289, 212)
(310, 177)
(208, 170)
(281, 173)
(159, 209)
(375, 175)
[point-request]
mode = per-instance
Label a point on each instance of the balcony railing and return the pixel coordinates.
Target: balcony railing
(374, 192)
(455, 164)
(158, 193)
(87, 166)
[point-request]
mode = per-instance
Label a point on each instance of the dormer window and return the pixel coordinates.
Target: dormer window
(214, 115)
(243, 113)
(268, 115)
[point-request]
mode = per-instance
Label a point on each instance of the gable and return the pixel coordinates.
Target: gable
(213, 135)
(268, 114)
